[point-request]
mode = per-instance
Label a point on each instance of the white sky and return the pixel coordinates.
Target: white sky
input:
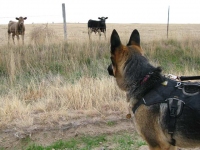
(117, 11)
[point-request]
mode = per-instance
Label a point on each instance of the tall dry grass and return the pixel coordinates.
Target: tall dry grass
(44, 35)
(49, 83)
(53, 101)
(176, 57)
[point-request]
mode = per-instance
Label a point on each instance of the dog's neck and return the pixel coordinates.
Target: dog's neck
(144, 85)
(141, 77)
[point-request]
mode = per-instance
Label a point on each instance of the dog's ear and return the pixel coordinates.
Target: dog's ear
(135, 38)
(114, 41)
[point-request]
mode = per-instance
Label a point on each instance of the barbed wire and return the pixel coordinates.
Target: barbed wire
(35, 16)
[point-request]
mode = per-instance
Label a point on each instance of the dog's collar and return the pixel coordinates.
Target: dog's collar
(146, 77)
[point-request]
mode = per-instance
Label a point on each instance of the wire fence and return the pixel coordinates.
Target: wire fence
(74, 31)
(34, 19)
(79, 31)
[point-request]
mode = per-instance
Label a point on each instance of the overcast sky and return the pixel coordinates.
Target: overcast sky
(117, 11)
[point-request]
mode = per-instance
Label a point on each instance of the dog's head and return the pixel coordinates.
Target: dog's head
(121, 53)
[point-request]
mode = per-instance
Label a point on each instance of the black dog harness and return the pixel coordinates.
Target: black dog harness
(176, 95)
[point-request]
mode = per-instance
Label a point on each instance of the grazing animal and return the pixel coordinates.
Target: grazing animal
(166, 112)
(97, 26)
(16, 28)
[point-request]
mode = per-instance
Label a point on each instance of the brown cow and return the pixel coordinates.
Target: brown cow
(16, 28)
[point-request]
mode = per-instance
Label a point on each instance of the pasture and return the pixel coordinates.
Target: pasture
(51, 89)
(149, 32)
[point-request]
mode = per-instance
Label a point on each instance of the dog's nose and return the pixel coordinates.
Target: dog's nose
(110, 70)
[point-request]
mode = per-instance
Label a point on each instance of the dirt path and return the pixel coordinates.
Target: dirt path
(46, 135)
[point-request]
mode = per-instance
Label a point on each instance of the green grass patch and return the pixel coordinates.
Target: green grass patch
(128, 141)
(71, 144)
(116, 141)
(83, 143)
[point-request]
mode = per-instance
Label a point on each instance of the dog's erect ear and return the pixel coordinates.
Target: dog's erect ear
(114, 40)
(135, 38)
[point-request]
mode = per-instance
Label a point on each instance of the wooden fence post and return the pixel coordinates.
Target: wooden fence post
(64, 21)
(168, 22)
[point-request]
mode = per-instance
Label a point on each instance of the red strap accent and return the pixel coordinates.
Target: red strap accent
(145, 79)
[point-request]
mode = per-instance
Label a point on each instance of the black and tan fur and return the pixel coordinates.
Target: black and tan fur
(129, 67)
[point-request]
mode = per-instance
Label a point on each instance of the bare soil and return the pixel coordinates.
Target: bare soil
(12, 138)
(45, 135)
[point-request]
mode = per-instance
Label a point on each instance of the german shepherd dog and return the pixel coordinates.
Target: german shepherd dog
(162, 116)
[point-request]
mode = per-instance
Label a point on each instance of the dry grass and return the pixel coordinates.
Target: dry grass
(43, 35)
(51, 102)
(51, 81)
(148, 32)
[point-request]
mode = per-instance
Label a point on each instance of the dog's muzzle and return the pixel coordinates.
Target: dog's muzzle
(110, 70)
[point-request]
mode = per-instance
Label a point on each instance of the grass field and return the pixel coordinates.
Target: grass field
(49, 83)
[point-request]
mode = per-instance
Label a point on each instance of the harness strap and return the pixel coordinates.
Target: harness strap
(172, 121)
(173, 108)
(137, 105)
(165, 94)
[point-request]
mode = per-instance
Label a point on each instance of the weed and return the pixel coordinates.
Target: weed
(140, 143)
(120, 141)
(90, 142)
(111, 123)
(71, 144)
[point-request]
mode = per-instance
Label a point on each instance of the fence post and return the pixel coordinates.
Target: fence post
(168, 22)
(64, 21)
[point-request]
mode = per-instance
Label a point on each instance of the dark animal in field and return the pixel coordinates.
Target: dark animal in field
(16, 28)
(97, 26)
(166, 111)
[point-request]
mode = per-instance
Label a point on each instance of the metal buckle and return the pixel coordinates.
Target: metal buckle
(178, 85)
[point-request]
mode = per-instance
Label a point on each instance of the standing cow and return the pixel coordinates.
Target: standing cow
(16, 28)
(97, 26)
